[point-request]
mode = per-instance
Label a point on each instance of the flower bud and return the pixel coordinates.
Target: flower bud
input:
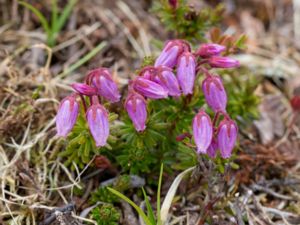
(166, 78)
(186, 72)
(208, 50)
(295, 103)
(223, 62)
(149, 88)
(214, 92)
(106, 87)
(212, 149)
(84, 89)
(168, 56)
(173, 3)
(136, 108)
(202, 131)
(66, 115)
(97, 118)
(227, 135)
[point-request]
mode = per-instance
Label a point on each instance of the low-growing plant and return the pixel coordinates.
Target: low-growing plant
(182, 108)
(106, 215)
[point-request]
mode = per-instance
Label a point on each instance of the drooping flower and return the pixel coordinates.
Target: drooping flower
(66, 115)
(166, 78)
(168, 56)
(84, 89)
(226, 135)
(214, 92)
(149, 88)
(223, 62)
(106, 87)
(186, 72)
(136, 108)
(211, 49)
(202, 131)
(97, 118)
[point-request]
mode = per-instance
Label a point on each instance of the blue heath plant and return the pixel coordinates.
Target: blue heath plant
(179, 83)
(175, 107)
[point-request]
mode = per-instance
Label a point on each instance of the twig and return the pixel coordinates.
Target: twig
(270, 191)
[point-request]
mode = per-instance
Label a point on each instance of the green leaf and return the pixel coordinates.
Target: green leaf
(40, 16)
(158, 194)
(83, 60)
(149, 208)
(135, 206)
(171, 193)
(64, 16)
(54, 14)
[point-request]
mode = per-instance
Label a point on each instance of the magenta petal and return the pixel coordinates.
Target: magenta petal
(66, 116)
(97, 118)
(136, 108)
(149, 88)
(202, 131)
(186, 72)
(170, 53)
(208, 50)
(167, 57)
(215, 94)
(106, 87)
(212, 149)
(223, 62)
(227, 135)
(168, 80)
(84, 89)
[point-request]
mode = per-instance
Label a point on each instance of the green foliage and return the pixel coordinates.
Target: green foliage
(106, 215)
(242, 103)
(186, 21)
(139, 152)
(102, 194)
(52, 28)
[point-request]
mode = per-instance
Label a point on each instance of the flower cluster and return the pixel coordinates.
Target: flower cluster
(159, 81)
(98, 83)
(173, 74)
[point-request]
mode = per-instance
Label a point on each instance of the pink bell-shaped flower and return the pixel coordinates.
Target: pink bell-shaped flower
(66, 115)
(226, 135)
(202, 131)
(84, 89)
(97, 118)
(186, 72)
(106, 87)
(136, 108)
(166, 78)
(168, 56)
(210, 49)
(223, 62)
(149, 88)
(214, 92)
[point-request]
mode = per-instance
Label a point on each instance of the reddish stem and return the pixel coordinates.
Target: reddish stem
(216, 117)
(83, 103)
